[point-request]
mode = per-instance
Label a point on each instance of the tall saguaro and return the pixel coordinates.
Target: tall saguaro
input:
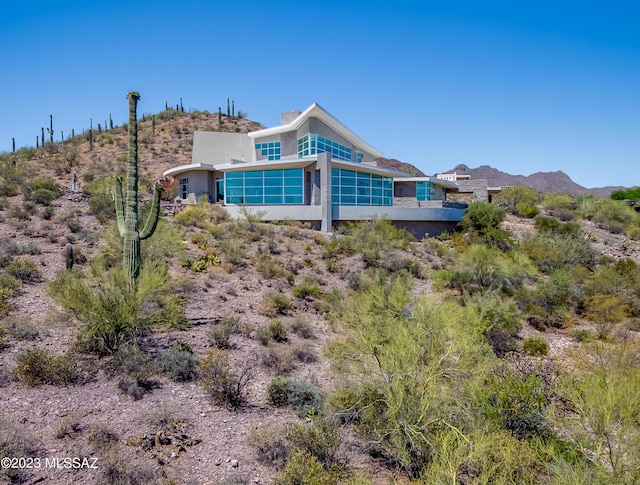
(127, 210)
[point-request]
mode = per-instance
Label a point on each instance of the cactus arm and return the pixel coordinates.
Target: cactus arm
(154, 214)
(119, 206)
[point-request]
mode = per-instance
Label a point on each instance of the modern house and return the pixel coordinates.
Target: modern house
(311, 168)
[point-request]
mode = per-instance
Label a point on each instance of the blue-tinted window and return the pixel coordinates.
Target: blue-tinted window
(265, 187)
(270, 150)
(313, 144)
(349, 187)
(425, 191)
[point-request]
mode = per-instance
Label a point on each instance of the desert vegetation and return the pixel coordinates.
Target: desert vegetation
(236, 351)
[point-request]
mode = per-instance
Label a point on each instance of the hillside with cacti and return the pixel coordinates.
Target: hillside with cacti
(162, 348)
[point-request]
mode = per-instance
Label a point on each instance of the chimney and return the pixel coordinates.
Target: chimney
(288, 116)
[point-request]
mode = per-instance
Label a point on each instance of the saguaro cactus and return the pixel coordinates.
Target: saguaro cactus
(127, 210)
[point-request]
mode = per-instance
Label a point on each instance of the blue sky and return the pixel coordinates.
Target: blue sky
(521, 86)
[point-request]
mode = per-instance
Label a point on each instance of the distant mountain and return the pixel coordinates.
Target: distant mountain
(557, 181)
(394, 164)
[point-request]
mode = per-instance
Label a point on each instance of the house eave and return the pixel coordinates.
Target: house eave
(317, 111)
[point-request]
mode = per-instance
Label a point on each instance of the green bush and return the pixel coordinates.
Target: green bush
(275, 304)
(302, 467)
(22, 329)
(526, 209)
(278, 390)
(220, 333)
(305, 399)
(308, 287)
(42, 190)
(277, 330)
(512, 196)
(321, 439)
(37, 366)
(535, 346)
(582, 335)
(179, 362)
(483, 220)
(25, 270)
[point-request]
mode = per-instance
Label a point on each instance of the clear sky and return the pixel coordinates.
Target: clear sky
(522, 86)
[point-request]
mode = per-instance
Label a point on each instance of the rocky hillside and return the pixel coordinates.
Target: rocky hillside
(244, 333)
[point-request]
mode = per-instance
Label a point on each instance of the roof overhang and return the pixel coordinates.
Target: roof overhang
(266, 165)
(316, 111)
(172, 172)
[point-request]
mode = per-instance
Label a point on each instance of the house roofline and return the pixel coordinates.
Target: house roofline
(317, 111)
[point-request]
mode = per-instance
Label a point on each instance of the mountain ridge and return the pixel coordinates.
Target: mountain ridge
(556, 181)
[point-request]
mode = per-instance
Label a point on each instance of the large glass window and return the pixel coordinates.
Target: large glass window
(270, 150)
(313, 144)
(349, 187)
(264, 187)
(425, 191)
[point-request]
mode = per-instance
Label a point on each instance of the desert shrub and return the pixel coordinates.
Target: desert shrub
(303, 353)
(113, 312)
(36, 366)
(483, 268)
(101, 203)
(220, 383)
(602, 392)
(136, 371)
(303, 467)
(277, 330)
(102, 438)
(274, 304)
(483, 220)
(269, 267)
(301, 328)
(581, 335)
(24, 269)
(278, 390)
(500, 318)
(179, 362)
(280, 359)
(271, 445)
(47, 213)
(535, 346)
(321, 439)
(69, 425)
(526, 209)
(556, 203)
(220, 333)
(233, 252)
(553, 253)
(605, 310)
(42, 190)
(15, 441)
(202, 215)
(553, 296)
(305, 398)
(552, 225)
(22, 329)
(308, 287)
(512, 196)
(613, 215)
(518, 394)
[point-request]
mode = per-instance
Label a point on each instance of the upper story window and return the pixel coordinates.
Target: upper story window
(270, 150)
(313, 144)
(359, 157)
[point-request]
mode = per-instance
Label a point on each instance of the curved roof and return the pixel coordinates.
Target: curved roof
(317, 111)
